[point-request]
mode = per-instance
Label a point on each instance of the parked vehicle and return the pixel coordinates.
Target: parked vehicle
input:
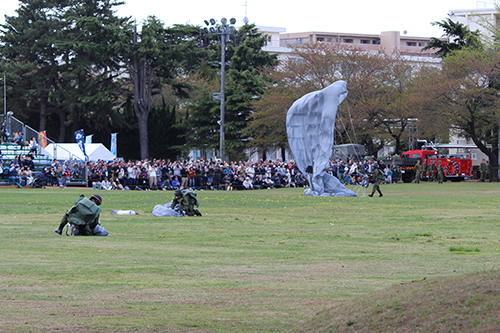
(456, 167)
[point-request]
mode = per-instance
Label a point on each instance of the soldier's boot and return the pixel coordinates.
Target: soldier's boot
(60, 229)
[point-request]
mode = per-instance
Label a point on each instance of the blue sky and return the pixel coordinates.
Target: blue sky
(351, 16)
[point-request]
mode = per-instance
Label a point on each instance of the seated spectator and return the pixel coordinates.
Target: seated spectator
(299, 180)
(258, 183)
(106, 184)
(286, 181)
(40, 180)
(176, 183)
(247, 184)
(276, 178)
(18, 137)
(225, 183)
(267, 182)
(237, 183)
(33, 145)
(14, 173)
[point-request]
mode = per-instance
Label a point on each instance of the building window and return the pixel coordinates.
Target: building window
(376, 42)
(421, 44)
(411, 44)
(365, 41)
(348, 40)
(473, 156)
(299, 40)
(320, 39)
(328, 40)
(269, 39)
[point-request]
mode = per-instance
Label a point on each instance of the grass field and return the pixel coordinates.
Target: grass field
(256, 261)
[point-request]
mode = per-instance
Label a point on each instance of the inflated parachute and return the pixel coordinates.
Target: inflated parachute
(310, 125)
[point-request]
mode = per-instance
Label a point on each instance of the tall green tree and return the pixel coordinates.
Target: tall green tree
(458, 36)
(245, 85)
(62, 56)
(158, 55)
(29, 48)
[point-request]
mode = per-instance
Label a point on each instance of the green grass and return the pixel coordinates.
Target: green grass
(256, 261)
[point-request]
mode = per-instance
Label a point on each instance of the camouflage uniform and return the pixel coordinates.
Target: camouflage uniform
(378, 176)
(440, 175)
(417, 172)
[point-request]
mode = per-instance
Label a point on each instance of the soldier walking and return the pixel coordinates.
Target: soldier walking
(378, 176)
(417, 172)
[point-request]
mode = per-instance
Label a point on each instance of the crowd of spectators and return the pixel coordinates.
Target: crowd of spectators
(219, 175)
(163, 174)
(209, 175)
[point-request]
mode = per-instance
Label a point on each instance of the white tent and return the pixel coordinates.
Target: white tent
(70, 151)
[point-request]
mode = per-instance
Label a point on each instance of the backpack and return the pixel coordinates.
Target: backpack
(84, 215)
(189, 196)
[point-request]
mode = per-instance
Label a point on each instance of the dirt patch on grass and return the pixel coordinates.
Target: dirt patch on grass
(466, 303)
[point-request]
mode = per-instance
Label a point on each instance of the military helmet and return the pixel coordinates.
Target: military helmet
(178, 192)
(97, 199)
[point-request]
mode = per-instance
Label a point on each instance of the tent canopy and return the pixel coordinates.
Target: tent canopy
(71, 151)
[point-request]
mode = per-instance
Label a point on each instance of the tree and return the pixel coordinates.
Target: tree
(377, 110)
(29, 47)
(62, 55)
(468, 88)
(157, 56)
(245, 85)
(459, 37)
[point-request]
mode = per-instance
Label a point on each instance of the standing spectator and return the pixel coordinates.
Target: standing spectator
(388, 174)
(153, 180)
(395, 172)
(191, 177)
(5, 135)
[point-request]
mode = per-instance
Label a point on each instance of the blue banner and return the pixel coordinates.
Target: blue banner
(88, 138)
(80, 140)
(113, 143)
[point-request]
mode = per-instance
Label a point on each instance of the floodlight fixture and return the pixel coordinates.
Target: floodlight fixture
(232, 21)
(212, 21)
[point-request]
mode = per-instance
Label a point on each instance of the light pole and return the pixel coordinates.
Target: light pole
(4, 98)
(224, 30)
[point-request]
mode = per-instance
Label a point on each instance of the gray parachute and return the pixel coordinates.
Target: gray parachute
(310, 124)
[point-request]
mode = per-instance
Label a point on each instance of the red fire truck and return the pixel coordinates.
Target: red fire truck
(456, 167)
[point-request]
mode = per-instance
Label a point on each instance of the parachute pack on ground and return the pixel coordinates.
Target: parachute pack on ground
(185, 208)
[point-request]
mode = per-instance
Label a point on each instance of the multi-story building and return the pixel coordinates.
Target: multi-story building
(389, 41)
(486, 20)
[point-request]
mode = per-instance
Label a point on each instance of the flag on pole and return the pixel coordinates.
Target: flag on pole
(42, 138)
(88, 138)
(113, 143)
(79, 139)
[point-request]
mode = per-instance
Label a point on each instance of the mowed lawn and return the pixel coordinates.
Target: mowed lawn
(256, 261)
